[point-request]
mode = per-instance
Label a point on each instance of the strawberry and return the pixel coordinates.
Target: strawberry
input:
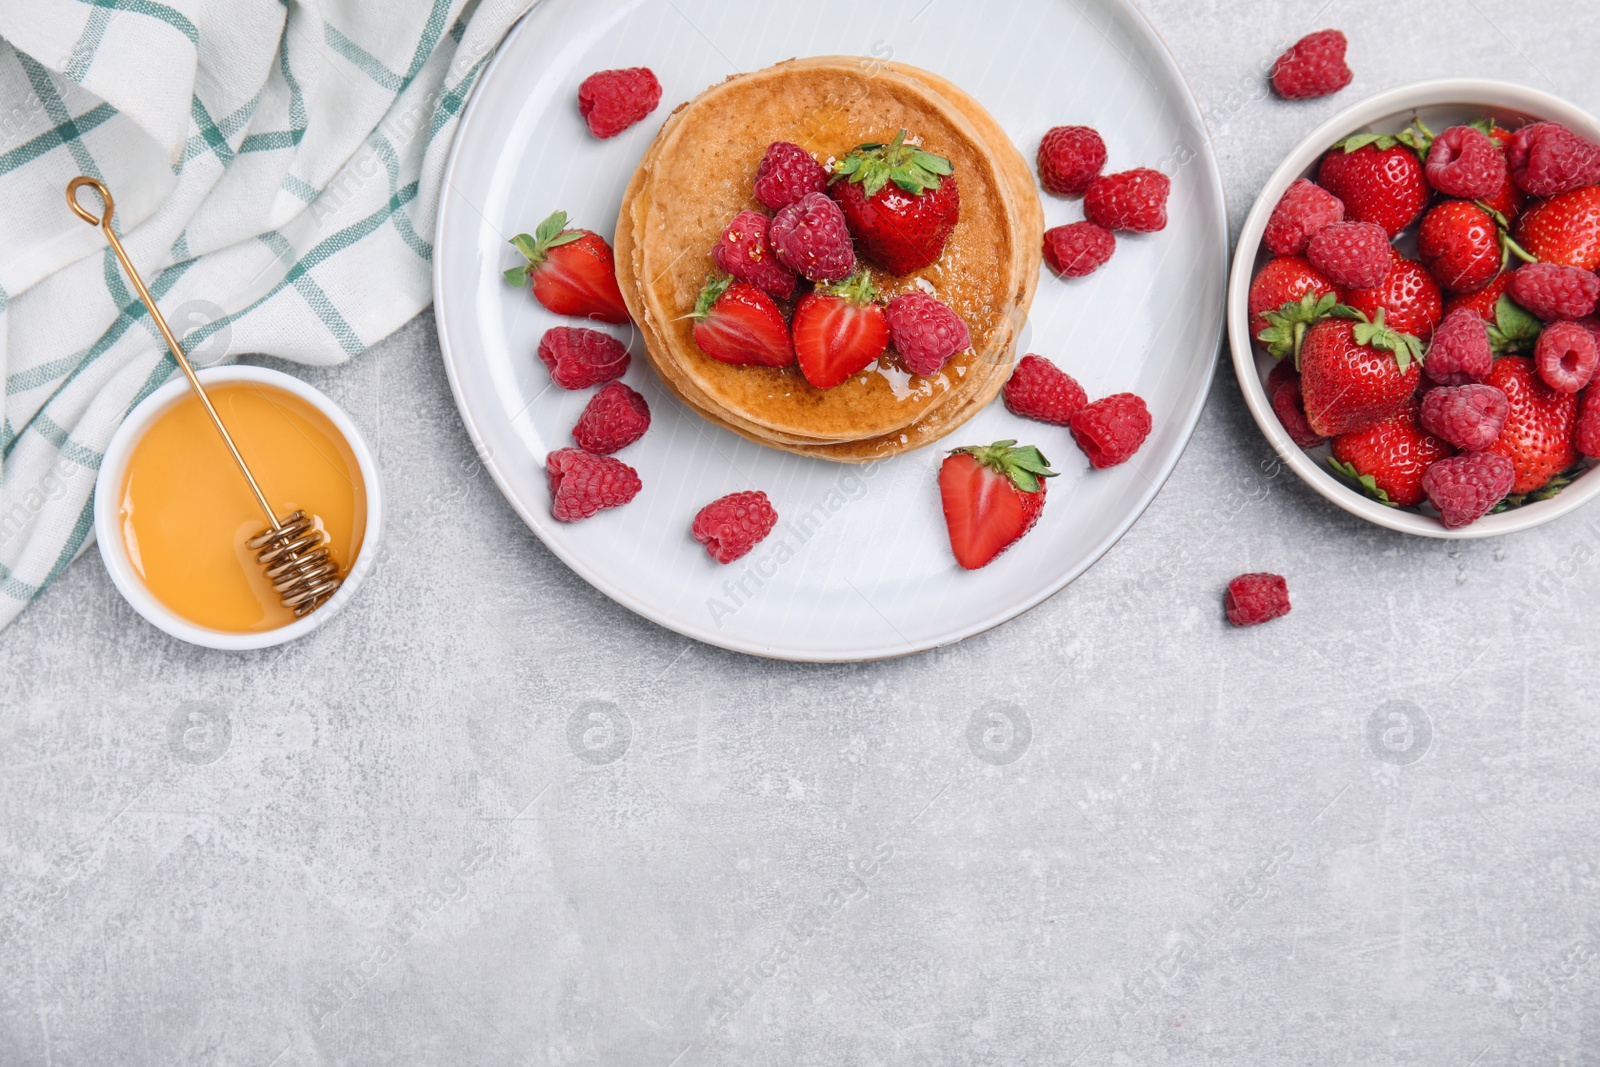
(1388, 459)
(1408, 295)
(900, 202)
(1481, 301)
(1285, 280)
(992, 495)
(1355, 371)
(1508, 199)
(571, 270)
(735, 322)
(838, 330)
(1379, 179)
(1565, 229)
(1537, 436)
(1465, 245)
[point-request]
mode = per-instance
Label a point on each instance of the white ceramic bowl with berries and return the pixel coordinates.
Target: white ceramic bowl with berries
(1438, 105)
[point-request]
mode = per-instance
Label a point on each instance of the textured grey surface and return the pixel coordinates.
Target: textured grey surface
(488, 817)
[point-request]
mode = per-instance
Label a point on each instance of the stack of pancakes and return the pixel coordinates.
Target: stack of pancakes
(698, 174)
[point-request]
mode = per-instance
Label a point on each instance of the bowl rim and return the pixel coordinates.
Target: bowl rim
(114, 553)
(1388, 104)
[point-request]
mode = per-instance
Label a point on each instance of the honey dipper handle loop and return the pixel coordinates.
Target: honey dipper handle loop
(84, 213)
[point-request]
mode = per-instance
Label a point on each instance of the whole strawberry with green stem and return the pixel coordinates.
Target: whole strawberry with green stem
(572, 272)
(900, 202)
(1466, 245)
(1378, 177)
(1356, 371)
(1285, 280)
(992, 495)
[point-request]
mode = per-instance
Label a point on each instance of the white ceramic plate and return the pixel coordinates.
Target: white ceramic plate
(859, 566)
(1440, 104)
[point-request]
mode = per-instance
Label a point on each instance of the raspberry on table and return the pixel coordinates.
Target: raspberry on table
(1565, 356)
(1313, 66)
(1304, 208)
(1460, 352)
(578, 357)
(1111, 430)
(1070, 157)
(746, 252)
(1289, 404)
(614, 418)
(612, 100)
(1586, 436)
(786, 174)
(1038, 389)
(1465, 488)
(731, 526)
(1078, 248)
(582, 483)
(1356, 255)
(1255, 598)
(1133, 200)
(810, 236)
(1553, 292)
(1547, 158)
(1463, 162)
(925, 331)
(1469, 417)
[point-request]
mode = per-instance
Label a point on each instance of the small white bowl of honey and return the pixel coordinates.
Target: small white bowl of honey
(173, 516)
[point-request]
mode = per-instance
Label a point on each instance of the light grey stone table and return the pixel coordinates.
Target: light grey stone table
(488, 817)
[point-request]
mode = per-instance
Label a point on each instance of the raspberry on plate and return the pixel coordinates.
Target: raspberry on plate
(746, 252)
(1547, 158)
(1465, 488)
(1304, 208)
(1553, 292)
(731, 526)
(1460, 352)
(1078, 248)
(810, 236)
(1353, 254)
(578, 357)
(1566, 355)
(787, 173)
(1111, 430)
(1038, 389)
(1070, 157)
(582, 483)
(1313, 66)
(612, 100)
(1133, 200)
(1463, 162)
(1256, 598)
(614, 418)
(924, 331)
(1469, 417)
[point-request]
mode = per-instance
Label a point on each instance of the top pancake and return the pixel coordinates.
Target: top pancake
(698, 174)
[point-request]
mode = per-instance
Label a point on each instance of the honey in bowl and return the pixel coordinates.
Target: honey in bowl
(185, 512)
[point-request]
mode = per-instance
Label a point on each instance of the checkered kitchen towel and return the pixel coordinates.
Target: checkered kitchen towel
(276, 166)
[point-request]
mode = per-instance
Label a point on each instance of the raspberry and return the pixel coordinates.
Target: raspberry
(614, 418)
(1460, 351)
(579, 357)
(1587, 434)
(1547, 158)
(1313, 66)
(1255, 598)
(1592, 324)
(1566, 356)
(746, 253)
(1464, 488)
(810, 236)
(1353, 254)
(1465, 163)
(1133, 200)
(1070, 157)
(1079, 248)
(786, 173)
(1553, 292)
(1304, 208)
(924, 331)
(1038, 389)
(1469, 417)
(612, 100)
(582, 483)
(733, 525)
(1111, 430)
(1289, 404)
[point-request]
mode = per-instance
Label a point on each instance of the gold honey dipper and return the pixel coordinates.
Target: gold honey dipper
(294, 551)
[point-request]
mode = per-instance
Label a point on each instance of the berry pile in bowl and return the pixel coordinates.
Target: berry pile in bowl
(1412, 308)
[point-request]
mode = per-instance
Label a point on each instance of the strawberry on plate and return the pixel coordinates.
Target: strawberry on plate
(1388, 459)
(572, 271)
(1408, 295)
(1538, 432)
(1378, 178)
(735, 322)
(900, 202)
(1564, 230)
(839, 330)
(992, 495)
(1355, 372)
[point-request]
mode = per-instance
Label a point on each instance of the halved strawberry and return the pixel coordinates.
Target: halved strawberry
(992, 495)
(572, 271)
(900, 202)
(838, 330)
(735, 322)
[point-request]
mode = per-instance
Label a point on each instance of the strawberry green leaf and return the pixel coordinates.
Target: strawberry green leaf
(1374, 334)
(1513, 329)
(518, 276)
(1286, 327)
(549, 234)
(858, 288)
(715, 286)
(909, 167)
(1024, 466)
(1365, 482)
